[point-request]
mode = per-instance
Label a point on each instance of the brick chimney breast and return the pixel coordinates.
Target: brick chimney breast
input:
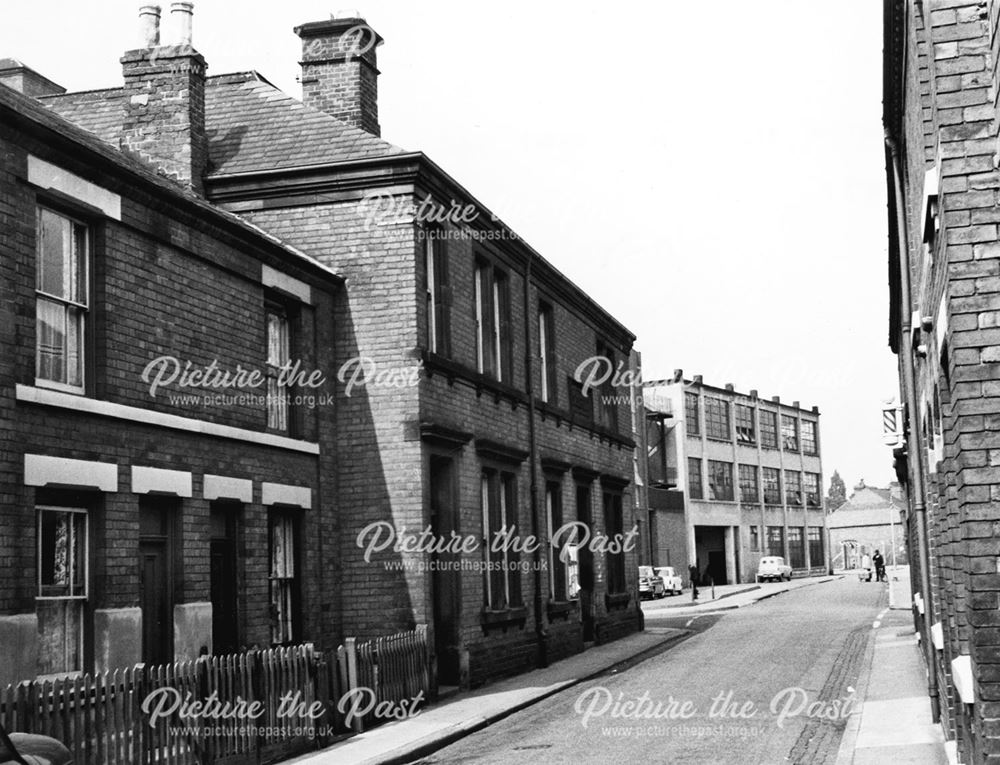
(339, 72)
(164, 111)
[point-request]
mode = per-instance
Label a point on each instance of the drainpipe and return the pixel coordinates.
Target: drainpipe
(529, 373)
(915, 437)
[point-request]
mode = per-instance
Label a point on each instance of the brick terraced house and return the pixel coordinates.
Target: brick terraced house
(733, 477)
(140, 527)
(502, 432)
(941, 122)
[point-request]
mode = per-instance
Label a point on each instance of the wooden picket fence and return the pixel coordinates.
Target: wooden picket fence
(101, 718)
(396, 668)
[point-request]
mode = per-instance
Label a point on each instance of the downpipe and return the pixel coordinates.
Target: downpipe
(916, 452)
(541, 636)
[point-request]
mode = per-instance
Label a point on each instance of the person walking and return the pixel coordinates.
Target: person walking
(693, 575)
(879, 562)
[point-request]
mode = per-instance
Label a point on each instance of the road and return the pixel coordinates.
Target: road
(756, 686)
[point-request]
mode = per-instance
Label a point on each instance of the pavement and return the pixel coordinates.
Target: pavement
(892, 721)
(470, 711)
(467, 712)
(726, 597)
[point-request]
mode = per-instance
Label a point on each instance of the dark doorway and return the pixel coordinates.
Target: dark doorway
(156, 523)
(584, 515)
(225, 622)
(445, 582)
(717, 566)
(710, 550)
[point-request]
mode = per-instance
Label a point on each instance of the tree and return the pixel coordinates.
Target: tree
(838, 492)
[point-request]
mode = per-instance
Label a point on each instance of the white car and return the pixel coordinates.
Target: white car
(772, 568)
(671, 582)
(650, 585)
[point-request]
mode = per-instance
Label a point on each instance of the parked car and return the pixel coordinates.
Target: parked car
(672, 583)
(773, 568)
(650, 585)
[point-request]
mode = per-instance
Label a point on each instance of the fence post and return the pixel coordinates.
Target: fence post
(351, 650)
(200, 742)
(427, 681)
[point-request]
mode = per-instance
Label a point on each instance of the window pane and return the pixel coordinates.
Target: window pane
(776, 540)
(78, 265)
(51, 352)
(74, 345)
(277, 339)
(772, 486)
(691, 414)
(789, 433)
(745, 431)
(717, 419)
(812, 489)
(694, 478)
(768, 429)
(808, 437)
(793, 487)
(277, 357)
(720, 480)
(748, 483)
(54, 255)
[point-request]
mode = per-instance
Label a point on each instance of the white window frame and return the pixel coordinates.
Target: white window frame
(79, 600)
(283, 624)
(67, 304)
(277, 399)
(39, 509)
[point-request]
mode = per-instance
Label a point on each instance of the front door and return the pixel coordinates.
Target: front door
(223, 581)
(445, 584)
(156, 581)
(154, 599)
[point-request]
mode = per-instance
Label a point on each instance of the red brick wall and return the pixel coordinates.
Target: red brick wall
(167, 281)
(382, 475)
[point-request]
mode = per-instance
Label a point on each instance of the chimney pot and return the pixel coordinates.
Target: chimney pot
(795, 404)
(753, 394)
(678, 375)
(182, 16)
(729, 387)
(776, 399)
(149, 25)
(697, 379)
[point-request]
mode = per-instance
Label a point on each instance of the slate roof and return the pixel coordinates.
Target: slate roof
(860, 510)
(31, 109)
(251, 126)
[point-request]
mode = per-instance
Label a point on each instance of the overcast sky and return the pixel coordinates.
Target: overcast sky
(711, 173)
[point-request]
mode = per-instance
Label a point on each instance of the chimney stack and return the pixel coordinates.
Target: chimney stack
(339, 72)
(164, 117)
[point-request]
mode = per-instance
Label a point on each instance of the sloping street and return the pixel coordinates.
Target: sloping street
(757, 687)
